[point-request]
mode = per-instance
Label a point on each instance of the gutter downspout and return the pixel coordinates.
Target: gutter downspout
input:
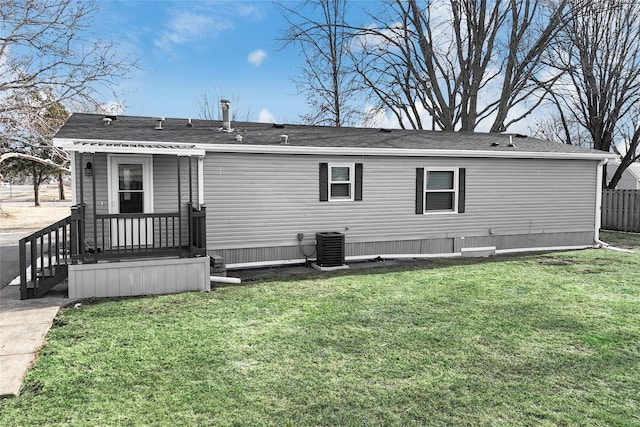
(598, 220)
(598, 214)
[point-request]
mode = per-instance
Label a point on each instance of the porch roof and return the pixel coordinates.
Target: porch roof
(127, 147)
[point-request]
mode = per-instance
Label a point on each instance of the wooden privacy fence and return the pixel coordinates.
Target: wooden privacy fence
(621, 210)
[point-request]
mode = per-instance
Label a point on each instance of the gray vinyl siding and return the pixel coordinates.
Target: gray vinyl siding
(263, 201)
(99, 163)
(165, 183)
(165, 187)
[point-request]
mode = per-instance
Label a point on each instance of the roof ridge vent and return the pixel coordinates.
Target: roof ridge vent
(278, 125)
(159, 125)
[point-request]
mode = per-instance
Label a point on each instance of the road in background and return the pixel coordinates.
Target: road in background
(10, 191)
(22, 195)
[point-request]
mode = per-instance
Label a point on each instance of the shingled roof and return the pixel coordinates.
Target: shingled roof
(207, 134)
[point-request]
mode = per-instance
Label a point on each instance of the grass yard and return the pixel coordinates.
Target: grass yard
(550, 339)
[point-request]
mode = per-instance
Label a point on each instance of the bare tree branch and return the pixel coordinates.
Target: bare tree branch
(600, 56)
(208, 106)
(465, 61)
(51, 62)
(318, 29)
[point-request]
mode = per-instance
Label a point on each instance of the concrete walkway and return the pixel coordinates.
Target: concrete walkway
(10, 256)
(23, 326)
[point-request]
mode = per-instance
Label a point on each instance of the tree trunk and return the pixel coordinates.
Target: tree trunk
(60, 187)
(36, 188)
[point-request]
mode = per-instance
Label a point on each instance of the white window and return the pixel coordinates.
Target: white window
(440, 190)
(341, 182)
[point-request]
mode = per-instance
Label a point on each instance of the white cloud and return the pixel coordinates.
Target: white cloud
(266, 117)
(249, 11)
(256, 57)
(187, 27)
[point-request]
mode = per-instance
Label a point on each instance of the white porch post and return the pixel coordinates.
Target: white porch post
(200, 182)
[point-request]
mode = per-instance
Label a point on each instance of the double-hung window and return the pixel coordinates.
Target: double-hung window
(340, 182)
(440, 190)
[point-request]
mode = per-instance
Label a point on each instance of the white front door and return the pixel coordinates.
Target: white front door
(130, 192)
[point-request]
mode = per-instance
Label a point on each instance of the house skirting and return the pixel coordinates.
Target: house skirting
(139, 277)
(447, 246)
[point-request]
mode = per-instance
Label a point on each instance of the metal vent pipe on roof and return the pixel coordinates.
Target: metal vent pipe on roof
(284, 139)
(159, 125)
(225, 106)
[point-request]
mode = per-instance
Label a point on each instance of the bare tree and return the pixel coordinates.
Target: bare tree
(30, 146)
(208, 106)
(600, 55)
(463, 62)
(49, 57)
(319, 30)
(562, 129)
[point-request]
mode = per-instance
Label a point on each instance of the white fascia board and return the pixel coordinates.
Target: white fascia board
(397, 152)
(199, 149)
(123, 147)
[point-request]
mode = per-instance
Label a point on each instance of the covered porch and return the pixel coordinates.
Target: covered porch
(138, 225)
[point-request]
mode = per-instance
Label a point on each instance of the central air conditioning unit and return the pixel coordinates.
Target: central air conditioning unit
(330, 249)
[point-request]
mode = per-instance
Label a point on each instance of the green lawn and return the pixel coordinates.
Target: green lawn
(550, 339)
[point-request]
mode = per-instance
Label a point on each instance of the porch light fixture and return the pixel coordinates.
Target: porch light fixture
(88, 170)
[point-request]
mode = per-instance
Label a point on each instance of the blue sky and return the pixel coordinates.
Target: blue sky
(188, 47)
(226, 48)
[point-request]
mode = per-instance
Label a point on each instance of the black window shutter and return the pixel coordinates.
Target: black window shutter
(324, 182)
(358, 191)
(462, 178)
(419, 191)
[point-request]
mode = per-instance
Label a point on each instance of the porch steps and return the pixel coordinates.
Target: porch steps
(46, 279)
(49, 271)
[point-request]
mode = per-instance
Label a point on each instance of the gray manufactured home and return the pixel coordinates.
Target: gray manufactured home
(161, 195)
